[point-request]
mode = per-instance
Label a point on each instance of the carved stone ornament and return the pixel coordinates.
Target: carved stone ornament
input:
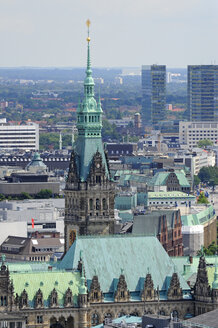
(122, 294)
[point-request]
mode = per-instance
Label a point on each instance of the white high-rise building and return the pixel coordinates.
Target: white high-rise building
(190, 133)
(19, 137)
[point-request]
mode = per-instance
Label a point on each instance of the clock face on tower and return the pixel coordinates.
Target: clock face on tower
(97, 165)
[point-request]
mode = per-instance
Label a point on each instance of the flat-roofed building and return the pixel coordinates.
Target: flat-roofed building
(19, 137)
(190, 133)
(198, 227)
(170, 198)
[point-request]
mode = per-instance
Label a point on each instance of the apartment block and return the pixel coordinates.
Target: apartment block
(19, 137)
(190, 133)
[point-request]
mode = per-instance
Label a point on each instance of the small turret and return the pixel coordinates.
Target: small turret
(82, 287)
(83, 292)
(83, 298)
(202, 289)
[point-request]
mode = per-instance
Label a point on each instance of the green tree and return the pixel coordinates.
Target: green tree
(202, 199)
(25, 195)
(110, 131)
(44, 193)
(49, 141)
(204, 143)
(210, 250)
(2, 197)
(209, 175)
(196, 180)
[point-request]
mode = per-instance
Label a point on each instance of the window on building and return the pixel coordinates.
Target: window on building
(175, 314)
(97, 204)
(39, 319)
(175, 293)
(91, 204)
(104, 204)
(98, 179)
(95, 295)
(95, 319)
(149, 293)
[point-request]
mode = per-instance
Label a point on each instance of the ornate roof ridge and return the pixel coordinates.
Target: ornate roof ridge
(113, 236)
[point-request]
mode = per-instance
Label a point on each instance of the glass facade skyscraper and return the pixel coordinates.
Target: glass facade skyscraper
(153, 94)
(203, 92)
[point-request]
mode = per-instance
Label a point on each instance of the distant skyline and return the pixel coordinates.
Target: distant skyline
(124, 33)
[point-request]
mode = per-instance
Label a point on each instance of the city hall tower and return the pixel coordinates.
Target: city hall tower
(89, 191)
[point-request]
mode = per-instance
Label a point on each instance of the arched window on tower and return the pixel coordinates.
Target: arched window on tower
(91, 204)
(97, 204)
(104, 204)
(98, 179)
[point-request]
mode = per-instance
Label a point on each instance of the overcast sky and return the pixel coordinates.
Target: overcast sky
(123, 32)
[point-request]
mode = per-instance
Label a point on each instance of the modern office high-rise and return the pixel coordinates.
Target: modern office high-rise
(203, 93)
(153, 93)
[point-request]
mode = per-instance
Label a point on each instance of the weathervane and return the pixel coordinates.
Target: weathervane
(88, 24)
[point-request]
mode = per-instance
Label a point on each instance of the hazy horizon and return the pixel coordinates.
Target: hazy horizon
(52, 33)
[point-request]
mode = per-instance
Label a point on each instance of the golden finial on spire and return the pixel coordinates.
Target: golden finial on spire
(88, 24)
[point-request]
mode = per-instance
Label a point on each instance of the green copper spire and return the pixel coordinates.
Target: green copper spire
(215, 282)
(89, 118)
(89, 123)
(89, 82)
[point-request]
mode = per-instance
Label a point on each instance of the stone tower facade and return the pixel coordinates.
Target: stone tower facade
(89, 191)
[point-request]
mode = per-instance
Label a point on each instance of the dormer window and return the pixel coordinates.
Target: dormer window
(53, 298)
(68, 297)
(98, 179)
(95, 295)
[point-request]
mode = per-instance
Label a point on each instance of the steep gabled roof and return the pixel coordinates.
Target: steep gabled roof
(105, 256)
